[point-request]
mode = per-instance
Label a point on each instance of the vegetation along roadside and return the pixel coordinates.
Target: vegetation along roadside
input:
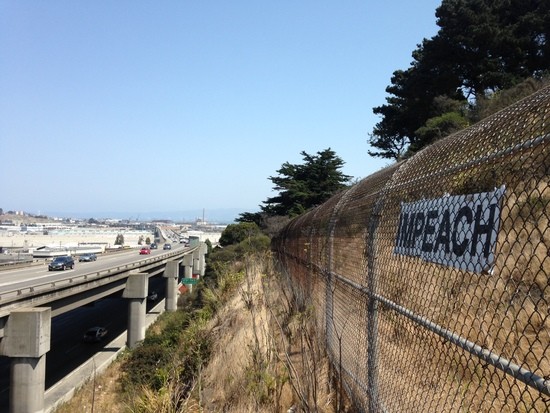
(236, 344)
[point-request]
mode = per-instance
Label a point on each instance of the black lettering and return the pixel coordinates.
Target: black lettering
(444, 232)
(402, 233)
(418, 227)
(459, 248)
(429, 230)
(409, 241)
(486, 229)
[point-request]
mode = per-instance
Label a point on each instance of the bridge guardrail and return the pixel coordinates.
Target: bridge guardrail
(25, 293)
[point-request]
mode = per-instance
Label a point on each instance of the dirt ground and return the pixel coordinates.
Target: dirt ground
(264, 360)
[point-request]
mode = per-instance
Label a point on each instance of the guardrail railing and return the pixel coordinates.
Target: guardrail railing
(22, 293)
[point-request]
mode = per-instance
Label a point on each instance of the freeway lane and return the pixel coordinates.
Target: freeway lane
(67, 347)
(13, 279)
(67, 351)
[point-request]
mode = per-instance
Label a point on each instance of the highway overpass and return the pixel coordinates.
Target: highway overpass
(31, 297)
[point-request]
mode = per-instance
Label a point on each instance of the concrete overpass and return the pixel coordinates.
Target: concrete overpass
(26, 312)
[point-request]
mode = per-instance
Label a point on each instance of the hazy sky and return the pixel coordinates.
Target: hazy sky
(176, 105)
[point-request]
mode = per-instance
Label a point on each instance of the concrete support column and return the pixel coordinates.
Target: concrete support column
(171, 272)
(196, 262)
(136, 292)
(188, 269)
(202, 260)
(26, 341)
(188, 266)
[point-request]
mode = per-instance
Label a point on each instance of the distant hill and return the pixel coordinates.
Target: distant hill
(23, 219)
(219, 216)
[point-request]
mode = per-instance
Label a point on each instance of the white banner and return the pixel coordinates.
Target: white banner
(458, 231)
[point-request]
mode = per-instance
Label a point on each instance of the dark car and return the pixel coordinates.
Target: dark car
(61, 263)
(153, 296)
(154, 246)
(94, 334)
(145, 250)
(167, 246)
(87, 258)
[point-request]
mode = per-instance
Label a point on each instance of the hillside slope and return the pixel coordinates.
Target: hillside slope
(264, 358)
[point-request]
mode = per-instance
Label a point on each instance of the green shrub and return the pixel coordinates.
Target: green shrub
(235, 233)
(146, 366)
(180, 345)
(254, 245)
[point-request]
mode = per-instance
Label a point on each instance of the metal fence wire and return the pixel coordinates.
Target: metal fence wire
(430, 278)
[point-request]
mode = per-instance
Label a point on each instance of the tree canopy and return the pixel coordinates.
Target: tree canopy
(119, 240)
(235, 233)
(303, 186)
(481, 48)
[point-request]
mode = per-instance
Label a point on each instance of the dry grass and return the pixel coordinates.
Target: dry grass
(100, 394)
(504, 310)
(262, 360)
(265, 359)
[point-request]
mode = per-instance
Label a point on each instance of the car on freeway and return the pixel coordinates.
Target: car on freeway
(154, 246)
(87, 257)
(94, 334)
(145, 250)
(61, 263)
(167, 246)
(153, 296)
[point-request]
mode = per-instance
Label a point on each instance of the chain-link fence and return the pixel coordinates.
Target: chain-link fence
(431, 278)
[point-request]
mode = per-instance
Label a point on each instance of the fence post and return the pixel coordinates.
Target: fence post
(372, 307)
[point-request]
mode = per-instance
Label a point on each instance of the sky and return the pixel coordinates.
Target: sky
(152, 108)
